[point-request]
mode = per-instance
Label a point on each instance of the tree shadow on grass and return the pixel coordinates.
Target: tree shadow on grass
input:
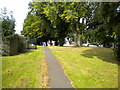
(105, 54)
(27, 51)
(20, 53)
(30, 50)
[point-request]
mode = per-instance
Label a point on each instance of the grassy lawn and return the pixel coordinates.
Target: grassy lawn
(88, 67)
(27, 70)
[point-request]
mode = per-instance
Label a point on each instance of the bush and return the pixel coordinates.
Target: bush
(13, 45)
(22, 46)
(5, 50)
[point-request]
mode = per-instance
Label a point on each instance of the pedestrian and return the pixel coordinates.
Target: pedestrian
(44, 44)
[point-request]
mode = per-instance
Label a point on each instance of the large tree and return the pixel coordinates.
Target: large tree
(73, 12)
(52, 12)
(37, 25)
(105, 22)
(54, 27)
(104, 27)
(64, 17)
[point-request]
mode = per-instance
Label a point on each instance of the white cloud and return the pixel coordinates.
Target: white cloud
(19, 8)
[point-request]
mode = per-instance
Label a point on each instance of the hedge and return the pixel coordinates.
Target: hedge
(15, 44)
(5, 47)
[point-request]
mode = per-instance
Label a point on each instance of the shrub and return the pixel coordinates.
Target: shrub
(13, 45)
(22, 46)
(5, 50)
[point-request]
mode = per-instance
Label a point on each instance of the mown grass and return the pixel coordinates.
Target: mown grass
(27, 70)
(89, 67)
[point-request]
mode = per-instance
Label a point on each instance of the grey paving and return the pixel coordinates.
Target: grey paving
(56, 74)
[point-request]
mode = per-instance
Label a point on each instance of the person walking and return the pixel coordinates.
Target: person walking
(44, 44)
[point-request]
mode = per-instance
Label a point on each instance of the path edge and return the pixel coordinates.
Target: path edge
(46, 65)
(63, 69)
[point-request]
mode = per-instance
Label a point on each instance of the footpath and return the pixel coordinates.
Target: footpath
(56, 74)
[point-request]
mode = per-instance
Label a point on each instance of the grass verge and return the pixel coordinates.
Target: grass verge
(27, 70)
(89, 67)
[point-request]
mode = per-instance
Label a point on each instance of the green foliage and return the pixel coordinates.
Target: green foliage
(8, 22)
(55, 19)
(32, 27)
(106, 18)
(5, 47)
(13, 45)
(106, 23)
(22, 44)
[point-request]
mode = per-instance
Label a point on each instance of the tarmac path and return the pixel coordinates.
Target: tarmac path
(56, 74)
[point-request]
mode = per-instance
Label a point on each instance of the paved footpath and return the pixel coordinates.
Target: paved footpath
(56, 74)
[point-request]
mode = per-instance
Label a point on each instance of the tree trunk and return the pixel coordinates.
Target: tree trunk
(77, 35)
(46, 43)
(35, 43)
(78, 39)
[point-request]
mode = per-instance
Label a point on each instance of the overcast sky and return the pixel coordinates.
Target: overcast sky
(19, 8)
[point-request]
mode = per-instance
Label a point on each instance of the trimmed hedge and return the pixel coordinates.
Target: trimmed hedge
(13, 44)
(22, 44)
(17, 44)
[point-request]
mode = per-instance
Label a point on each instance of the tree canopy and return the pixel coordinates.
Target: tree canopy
(8, 22)
(97, 23)
(57, 19)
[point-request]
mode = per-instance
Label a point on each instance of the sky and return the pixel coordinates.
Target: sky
(20, 10)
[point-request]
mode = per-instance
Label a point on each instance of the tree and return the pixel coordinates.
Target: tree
(36, 25)
(105, 24)
(106, 21)
(31, 26)
(8, 22)
(52, 12)
(54, 27)
(73, 12)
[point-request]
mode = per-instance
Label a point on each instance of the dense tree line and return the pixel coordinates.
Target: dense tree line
(97, 23)
(56, 20)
